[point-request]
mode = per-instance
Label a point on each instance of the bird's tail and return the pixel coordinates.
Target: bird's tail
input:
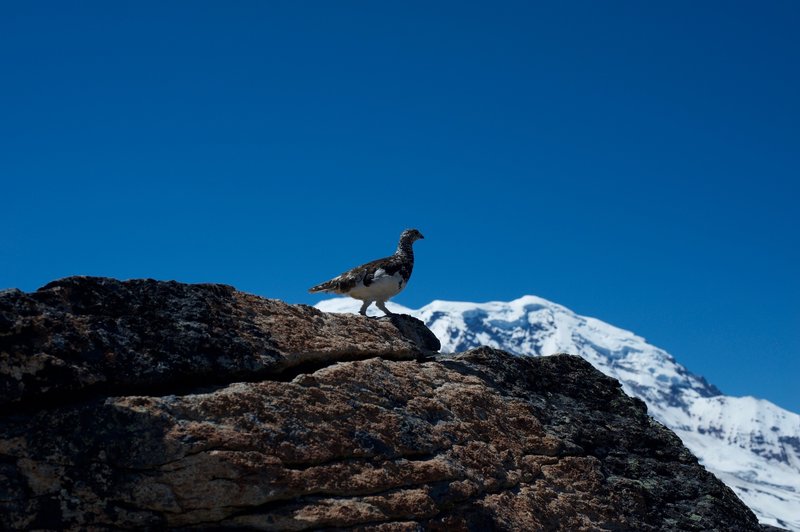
(327, 286)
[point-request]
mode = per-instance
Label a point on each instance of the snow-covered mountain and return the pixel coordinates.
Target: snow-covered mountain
(750, 444)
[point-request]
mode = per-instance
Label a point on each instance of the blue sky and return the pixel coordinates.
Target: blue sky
(634, 161)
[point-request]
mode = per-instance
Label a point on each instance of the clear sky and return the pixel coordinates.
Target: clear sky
(634, 161)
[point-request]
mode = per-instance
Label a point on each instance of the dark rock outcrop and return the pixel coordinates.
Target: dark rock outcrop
(89, 335)
(149, 404)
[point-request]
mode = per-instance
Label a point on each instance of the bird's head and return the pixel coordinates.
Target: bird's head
(410, 236)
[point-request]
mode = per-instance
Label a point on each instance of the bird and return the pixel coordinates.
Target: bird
(379, 280)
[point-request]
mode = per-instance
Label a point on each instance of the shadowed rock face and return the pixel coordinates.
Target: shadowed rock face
(149, 404)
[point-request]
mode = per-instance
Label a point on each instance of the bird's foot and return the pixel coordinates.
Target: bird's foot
(364, 306)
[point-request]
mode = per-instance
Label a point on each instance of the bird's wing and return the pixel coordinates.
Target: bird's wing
(349, 279)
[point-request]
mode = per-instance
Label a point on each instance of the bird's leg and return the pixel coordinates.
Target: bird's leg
(363, 310)
(382, 305)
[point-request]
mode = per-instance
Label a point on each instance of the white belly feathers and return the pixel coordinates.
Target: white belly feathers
(382, 287)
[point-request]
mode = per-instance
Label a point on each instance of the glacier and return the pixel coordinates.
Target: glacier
(750, 444)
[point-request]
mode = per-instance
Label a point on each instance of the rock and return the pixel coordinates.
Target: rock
(366, 435)
(89, 335)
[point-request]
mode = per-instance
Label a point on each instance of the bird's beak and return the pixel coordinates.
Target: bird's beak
(421, 237)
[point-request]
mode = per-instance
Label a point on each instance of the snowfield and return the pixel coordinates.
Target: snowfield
(750, 444)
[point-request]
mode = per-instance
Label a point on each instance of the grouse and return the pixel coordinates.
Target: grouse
(379, 280)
